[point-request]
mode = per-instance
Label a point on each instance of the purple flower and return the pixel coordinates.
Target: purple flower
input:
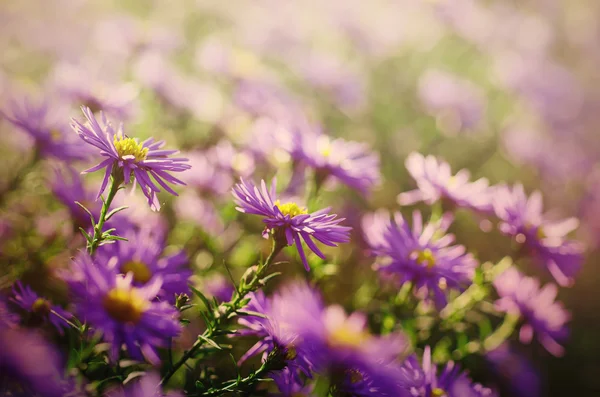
(127, 158)
(425, 381)
(202, 212)
(147, 386)
(436, 182)
(142, 256)
(517, 373)
(521, 217)
(352, 163)
(522, 295)
(218, 286)
(421, 255)
(126, 315)
(69, 189)
(29, 365)
(86, 84)
(40, 308)
(46, 126)
(457, 104)
(273, 329)
(290, 223)
(290, 385)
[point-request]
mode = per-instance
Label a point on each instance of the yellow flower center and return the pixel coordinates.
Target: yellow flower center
(291, 353)
(55, 135)
(291, 209)
(125, 305)
(344, 336)
(130, 147)
(540, 233)
(141, 273)
(324, 145)
(41, 306)
(426, 258)
(354, 376)
(437, 392)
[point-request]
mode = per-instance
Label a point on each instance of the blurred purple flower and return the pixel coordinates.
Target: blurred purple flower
(47, 126)
(458, 104)
(218, 286)
(213, 180)
(352, 163)
(147, 386)
(421, 255)
(126, 315)
(517, 373)
(79, 85)
(29, 365)
(289, 223)
(69, 189)
(543, 316)
(202, 212)
(142, 256)
(436, 182)
(290, 385)
(127, 158)
(424, 380)
(521, 217)
(40, 308)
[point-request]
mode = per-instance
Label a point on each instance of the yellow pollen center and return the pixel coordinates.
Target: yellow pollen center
(130, 147)
(426, 258)
(437, 392)
(291, 209)
(55, 135)
(291, 353)
(344, 336)
(41, 306)
(540, 233)
(141, 273)
(125, 305)
(354, 376)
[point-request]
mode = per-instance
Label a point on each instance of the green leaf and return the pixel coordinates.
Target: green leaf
(88, 212)
(203, 298)
(210, 342)
(115, 211)
(86, 235)
(250, 313)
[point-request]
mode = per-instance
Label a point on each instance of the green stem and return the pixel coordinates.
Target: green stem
(98, 235)
(225, 310)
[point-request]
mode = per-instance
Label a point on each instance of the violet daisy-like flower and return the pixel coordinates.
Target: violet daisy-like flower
(45, 124)
(522, 218)
(127, 158)
(422, 255)
(423, 380)
(543, 316)
(338, 345)
(290, 223)
(435, 182)
(40, 308)
(126, 315)
(290, 385)
(147, 386)
(29, 366)
(142, 256)
(68, 188)
(351, 163)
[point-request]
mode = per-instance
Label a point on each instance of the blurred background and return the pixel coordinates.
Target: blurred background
(508, 89)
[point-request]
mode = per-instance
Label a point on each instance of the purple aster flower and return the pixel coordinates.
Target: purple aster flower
(147, 386)
(436, 182)
(40, 308)
(522, 218)
(273, 328)
(518, 374)
(288, 222)
(218, 286)
(29, 366)
(128, 158)
(142, 256)
(425, 381)
(125, 314)
(45, 124)
(351, 163)
(522, 295)
(422, 255)
(87, 84)
(69, 189)
(457, 104)
(290, 385)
